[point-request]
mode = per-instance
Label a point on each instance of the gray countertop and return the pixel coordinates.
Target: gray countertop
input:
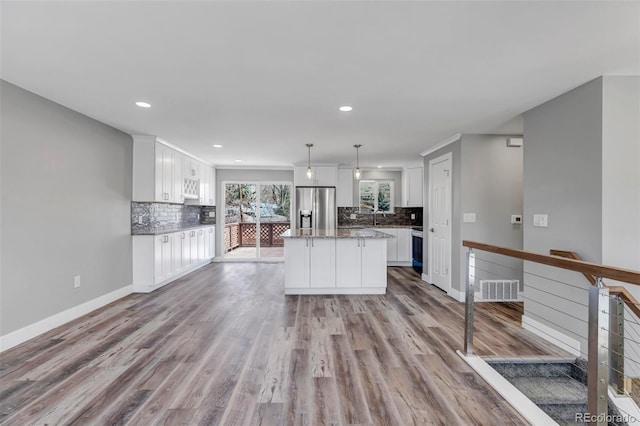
(170, 230)
(337, 233)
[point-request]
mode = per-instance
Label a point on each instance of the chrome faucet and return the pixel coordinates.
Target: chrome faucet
(375, 216)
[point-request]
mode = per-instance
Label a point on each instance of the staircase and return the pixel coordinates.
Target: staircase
(558, 386)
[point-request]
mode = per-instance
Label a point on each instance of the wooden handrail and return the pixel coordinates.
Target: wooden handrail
(619, 274)
(575, 256)
(619, 291)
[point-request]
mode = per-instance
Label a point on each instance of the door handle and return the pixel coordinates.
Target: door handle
(432, 230)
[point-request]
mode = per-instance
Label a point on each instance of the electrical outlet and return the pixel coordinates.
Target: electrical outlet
(212, 214)
(198, 216)
(469, 217)
(76, 281)
(140, 220)
(516, 219)
(413, 216)
(353, 216)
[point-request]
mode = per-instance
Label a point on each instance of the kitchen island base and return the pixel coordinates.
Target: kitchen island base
(335, 262)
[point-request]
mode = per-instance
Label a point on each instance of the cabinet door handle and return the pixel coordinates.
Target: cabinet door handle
(312, 243)
(358, 241)
(307, 241)
(183, 235)
(364, 244)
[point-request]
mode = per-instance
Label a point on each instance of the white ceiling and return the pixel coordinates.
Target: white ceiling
(264, 78)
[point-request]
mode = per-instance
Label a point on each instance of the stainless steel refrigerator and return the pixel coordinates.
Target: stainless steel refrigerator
(316, 207)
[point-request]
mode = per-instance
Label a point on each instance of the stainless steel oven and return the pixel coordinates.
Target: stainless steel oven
(416, 248)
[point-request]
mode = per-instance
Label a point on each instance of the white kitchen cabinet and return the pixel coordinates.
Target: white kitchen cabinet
(210, 243)
(361, 262)
(392, 244)
(212, 187)
(321, 176)
(193, 246)
(178, 258)
(163, 257)
(413, 178)
(160, 259)
(311, 263)
(348, 263)
(185, 240)
(323, 262)
(398, 248)
(297, 261)
(344, 189)
(404, 245)
(200, 245)
(168, 176)
(191, 168)
(374, 262)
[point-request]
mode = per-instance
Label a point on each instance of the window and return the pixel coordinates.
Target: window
(376, 195)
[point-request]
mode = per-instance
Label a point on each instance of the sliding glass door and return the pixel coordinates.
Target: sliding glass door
(256, 214)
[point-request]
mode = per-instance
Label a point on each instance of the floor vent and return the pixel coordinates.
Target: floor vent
(499, 291)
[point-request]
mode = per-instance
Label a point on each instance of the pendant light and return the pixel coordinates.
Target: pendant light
(309, 171)
(356, 172)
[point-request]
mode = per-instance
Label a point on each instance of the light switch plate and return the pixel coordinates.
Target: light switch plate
(353, 216)
(140, 220)
(76, 281)
(212, 214)
(413, 216)
(469, 217)
(541, 220)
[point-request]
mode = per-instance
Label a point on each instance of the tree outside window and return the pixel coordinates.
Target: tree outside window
(376, 195)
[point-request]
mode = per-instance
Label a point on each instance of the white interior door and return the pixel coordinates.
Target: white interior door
(439, 231)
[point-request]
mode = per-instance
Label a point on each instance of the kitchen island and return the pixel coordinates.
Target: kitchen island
(341, 261)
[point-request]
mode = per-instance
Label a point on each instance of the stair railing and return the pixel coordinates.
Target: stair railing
(620, 298)
(605, 348)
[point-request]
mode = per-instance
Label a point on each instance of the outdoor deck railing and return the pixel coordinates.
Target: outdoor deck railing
(244, 234)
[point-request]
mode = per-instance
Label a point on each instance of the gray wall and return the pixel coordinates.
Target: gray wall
(241, 175)
(456, 191)
(621, 173)
(563, 178)
(395, 176)
(492, 189)
(66, 194)
(486, 180)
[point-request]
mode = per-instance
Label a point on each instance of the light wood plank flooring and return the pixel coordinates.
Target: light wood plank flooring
(225, 346)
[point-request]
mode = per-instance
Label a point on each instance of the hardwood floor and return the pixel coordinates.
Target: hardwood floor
(225, 346)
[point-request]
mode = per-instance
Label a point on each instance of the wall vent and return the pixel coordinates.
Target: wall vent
(499, 291)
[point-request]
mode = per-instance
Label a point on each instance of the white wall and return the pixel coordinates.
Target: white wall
(66, 200)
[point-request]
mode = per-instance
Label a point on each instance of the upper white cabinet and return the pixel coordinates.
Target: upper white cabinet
(344, 189)
(207, 195)
(321, 176)
(163, 174)
(413, 182)
(168, 174)
(192, 168)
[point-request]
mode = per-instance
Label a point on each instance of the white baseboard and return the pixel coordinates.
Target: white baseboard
(510, 393)
(17, 337)
(460, 296)
(399, 263)
(551, 335)
(426, 278)
(336, 290)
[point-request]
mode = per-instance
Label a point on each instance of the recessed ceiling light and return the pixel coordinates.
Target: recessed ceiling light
(217, 146)
(345, 108)
(143, 104)
(379, 167)
(238, 161)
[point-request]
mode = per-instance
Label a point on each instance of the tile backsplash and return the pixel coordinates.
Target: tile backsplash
(400, 217)
(153, 217)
